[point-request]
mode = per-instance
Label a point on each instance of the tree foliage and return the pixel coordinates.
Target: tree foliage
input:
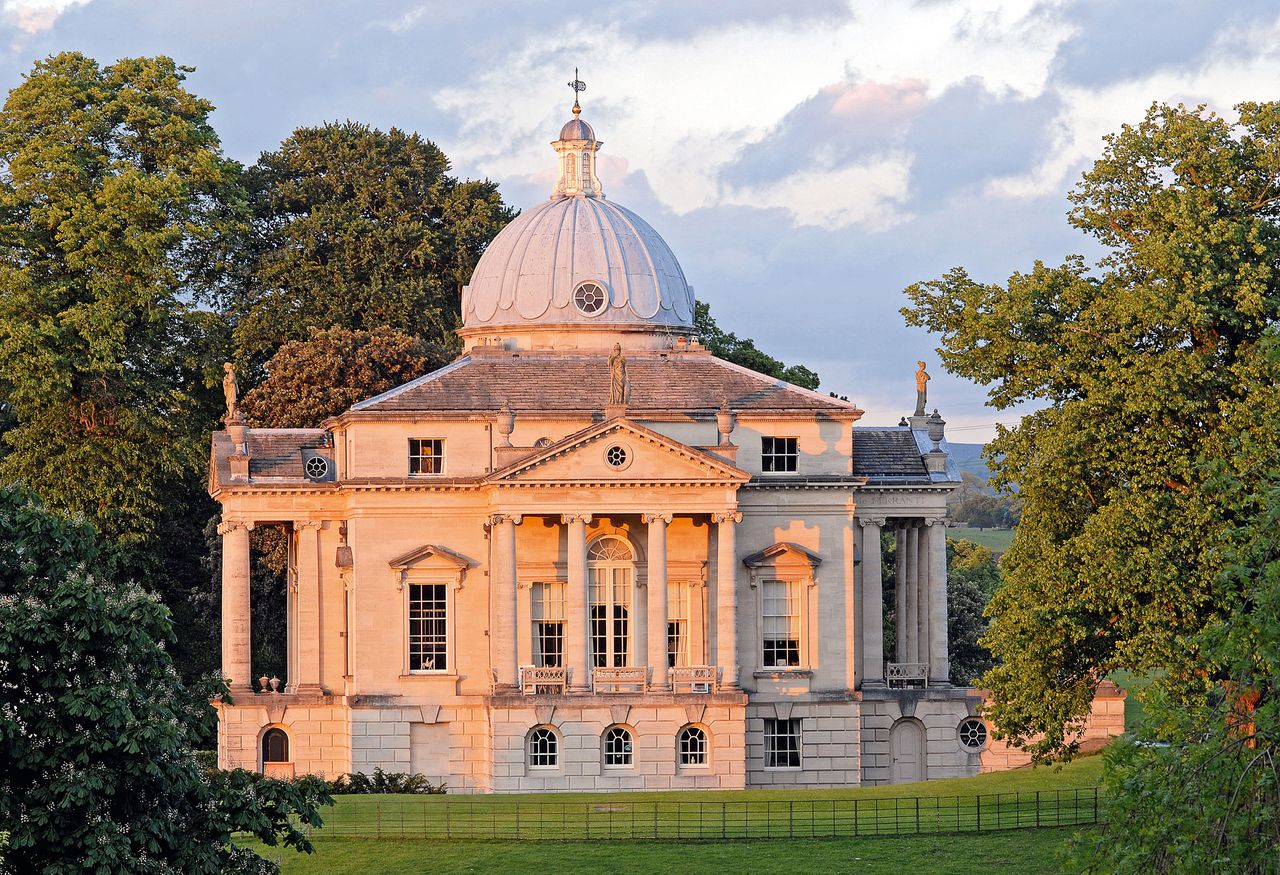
(742, 350)
(1144, 365)
(313, 379)
(96, 727)
(114, 200)
(361, 229)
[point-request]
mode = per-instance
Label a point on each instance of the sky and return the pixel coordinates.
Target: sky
(805, 161)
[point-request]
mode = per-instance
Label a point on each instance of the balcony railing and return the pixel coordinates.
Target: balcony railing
(907, 674)
(693, 678)
(543, 679)
(619, 680)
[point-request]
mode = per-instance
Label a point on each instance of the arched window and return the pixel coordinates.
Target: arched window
(586, 171)
(570, 168)
(611, 563)
(275, 746)
(692, 745)
(544, 748)
(617, 747)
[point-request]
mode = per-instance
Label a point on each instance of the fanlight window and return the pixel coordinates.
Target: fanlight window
(275, 746)
(610, 550)
(612, 571)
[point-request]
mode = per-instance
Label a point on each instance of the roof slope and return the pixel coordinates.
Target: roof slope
(568, 382)
(888, 455)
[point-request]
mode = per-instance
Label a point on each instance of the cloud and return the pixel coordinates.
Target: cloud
(36, 16)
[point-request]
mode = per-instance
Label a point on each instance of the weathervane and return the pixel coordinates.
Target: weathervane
(578, 86)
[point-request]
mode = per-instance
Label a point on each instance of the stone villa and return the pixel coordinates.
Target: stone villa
(589, 555)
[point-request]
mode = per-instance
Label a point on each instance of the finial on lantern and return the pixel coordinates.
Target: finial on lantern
(578, 86)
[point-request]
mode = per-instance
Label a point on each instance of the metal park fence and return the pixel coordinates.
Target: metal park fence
(613, 819)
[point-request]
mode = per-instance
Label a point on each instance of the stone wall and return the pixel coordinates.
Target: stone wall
(1105, 721)
(319, 731)
(829, 755)
(937, 712)
(580, 727)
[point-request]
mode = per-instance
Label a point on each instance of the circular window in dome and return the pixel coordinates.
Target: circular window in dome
(973, 734)
(617, 456)
(590, 298)
(317, 468)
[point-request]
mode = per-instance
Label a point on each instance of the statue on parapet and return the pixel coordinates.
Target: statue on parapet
(231, 391)
(922, 391)
(619, 388)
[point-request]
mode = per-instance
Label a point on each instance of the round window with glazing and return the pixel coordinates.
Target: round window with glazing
(617, 456)
(317, 468)
(973, 734)
(590, 298)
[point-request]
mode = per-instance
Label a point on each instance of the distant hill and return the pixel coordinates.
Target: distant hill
(969, 458)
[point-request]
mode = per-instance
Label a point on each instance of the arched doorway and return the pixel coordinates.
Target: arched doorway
(906, 743)
(612, 569)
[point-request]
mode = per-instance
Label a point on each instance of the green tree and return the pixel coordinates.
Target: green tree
(362, 229)
(115, 202)
(96, 728)
(313, 379)
(742, 350)
(972, 578)
(1146, 366)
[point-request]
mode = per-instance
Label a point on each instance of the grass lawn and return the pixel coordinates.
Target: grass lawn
(1017, 852)
(995, 540)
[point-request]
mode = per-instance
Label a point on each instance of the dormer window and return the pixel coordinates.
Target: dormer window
(426, 456)
(779, 454)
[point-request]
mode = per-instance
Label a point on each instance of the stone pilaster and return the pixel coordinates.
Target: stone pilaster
(657, 559)
(900, 595)
(309, 644)
(503, 587)
(236, 665)
(577, 599)
(727, 598)
(872, 654)
(922, 592)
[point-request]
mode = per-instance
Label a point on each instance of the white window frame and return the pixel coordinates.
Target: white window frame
(447, 601)
(529, 753)
(440, 456)
(602, 575)
(546, 605)
(789, 456)
(772, 735)
(625, 738)
(678, 612)
(793, 600)
(681, 751)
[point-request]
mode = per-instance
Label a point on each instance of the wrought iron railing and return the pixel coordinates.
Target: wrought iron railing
(612, 818)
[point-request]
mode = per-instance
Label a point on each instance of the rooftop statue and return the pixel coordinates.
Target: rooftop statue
(922, 381)
(231, 391)
(618, 387)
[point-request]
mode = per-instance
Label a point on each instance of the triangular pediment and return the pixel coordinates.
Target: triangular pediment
(620, 451)
(430, 554)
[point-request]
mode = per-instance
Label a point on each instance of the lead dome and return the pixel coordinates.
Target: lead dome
(577, 262)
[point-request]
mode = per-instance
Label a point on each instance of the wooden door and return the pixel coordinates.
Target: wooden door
(906, 742)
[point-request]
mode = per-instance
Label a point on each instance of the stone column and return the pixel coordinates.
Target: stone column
(658, 678)
(577, 645)
(908, 627)
(309, 646)
(872, 653)
(922, 593)
(900, 595)
(236, 665)
(503, 589)
(939, 660)
(727, 598)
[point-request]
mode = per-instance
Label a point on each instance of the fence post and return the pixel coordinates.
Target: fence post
(917, 815)
(1037, 808)
(791, 819)
(979, 812)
